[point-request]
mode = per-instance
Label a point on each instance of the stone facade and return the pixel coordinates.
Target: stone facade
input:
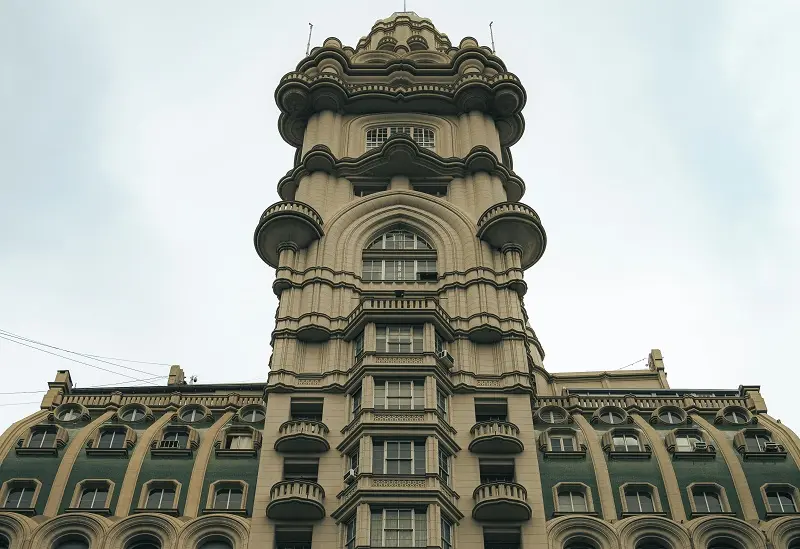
(407, 402)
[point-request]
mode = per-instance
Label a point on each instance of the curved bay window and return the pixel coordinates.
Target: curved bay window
(399, 255)
(424, 137)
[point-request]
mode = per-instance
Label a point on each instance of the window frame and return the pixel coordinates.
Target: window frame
(780, 488)
(375, 136)
(708, 488)
(44, 431)
(414, 512)
(414, 397)
(627, 439)
(562, 437)
(573, 487)
(412, 460)
(445, 466)
(160, 484)
(350, 533)
(442, 403)
(639, 488)
(446, 527)
(415, 339)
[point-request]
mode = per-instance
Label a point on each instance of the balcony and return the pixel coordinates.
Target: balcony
(296, 500)
(425, 309)
(293, 223)
(516, 224)
(501, 501)
(495, 437)
(302, 436)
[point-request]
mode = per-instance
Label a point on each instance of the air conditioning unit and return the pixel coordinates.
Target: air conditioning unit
(700, 447)
(771, 447)
(445, 357)
(350, 476)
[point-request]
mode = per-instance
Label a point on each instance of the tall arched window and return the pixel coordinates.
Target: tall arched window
(72, 542)
(424, 137)
(399, 255)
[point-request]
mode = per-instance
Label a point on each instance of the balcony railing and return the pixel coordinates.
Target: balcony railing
(296, 500)
(298, 435)
(496, 437)
(501, 501)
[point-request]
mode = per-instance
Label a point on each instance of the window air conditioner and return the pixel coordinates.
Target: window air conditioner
(700, 447)
(771, 447)
(350, 476)
(445, 357)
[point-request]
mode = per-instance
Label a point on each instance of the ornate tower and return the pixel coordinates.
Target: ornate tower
(401, 340)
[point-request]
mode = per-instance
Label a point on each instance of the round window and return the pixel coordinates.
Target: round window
(553, 415)
(190, 415)
(70, 413)
(671, 416)
(736, 415)
(613, 416)
(253, 415)
(134, 413)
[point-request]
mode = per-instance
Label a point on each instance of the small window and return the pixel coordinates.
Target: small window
(398, 528)
(612, 416)
(399, 395)
(292, 538)
(501, 538)
(441, 403)
(306, 409)
(42, 437)
(438, 343)
(444, 466)
(350, 533)
(562, 443)
(253, 415)
(112, 438)
(735, 415)
(572, 501)
(358, 345)
(94, 497)
(424, 137)
(686, 442)
(492, 471)
(756, 442)
(706, 499)
(230, 497)
(176, 439)
(134, 413)
(491, 410)
(301, 469)
(399, 240)
(352, 459)
(447, 534)
(624, 442)
(366, 189)
(192, 415)
(20, 496)
(161, 498)
(70, 413)
(355, 401)
(553, 415)
(781, 501)
(639, 500)
(398, 339)
(670, 416)
(239, 441)
(398, 457)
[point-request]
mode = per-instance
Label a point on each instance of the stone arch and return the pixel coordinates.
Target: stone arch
(17, 528)
(232, 528)
(783, 530)
(163, 527)
(448, 230)
(634, 529)
(354, 128)
(705, 529)
(581, 528)
(88, 525)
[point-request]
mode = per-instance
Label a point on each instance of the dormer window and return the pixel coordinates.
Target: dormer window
(424, 137)
(399, 255)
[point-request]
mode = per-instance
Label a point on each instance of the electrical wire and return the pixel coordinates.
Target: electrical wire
(631, 364)
(68, 358)
(16, 336)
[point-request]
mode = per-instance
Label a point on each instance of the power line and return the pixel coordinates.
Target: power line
(70, 359)
(129, 360)
(16, 336)
(631, 364)
(18, 403)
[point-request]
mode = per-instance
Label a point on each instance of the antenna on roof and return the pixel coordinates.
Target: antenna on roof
(404, 6)
(308, 46)
(491, 33)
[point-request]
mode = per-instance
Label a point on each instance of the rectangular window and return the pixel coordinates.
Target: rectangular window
(496, 471)
(781, 502)
(301, 469)
(398, 339)
(358, 345)
(112, 438)
(639, 501)
(352, 459)
(42, 438)
(707, 501)
(306, 409)
(399, 269)
(572, 501)
(447, 534)
(350, 534)
(491, 410)
(94, 498)
(756, 442)
(398, 457)
(444, 466)
(372, 269)
(441, 403)
(625, 443)
(175, 439)
(356, 403)
(161, 498)
(399, 395)
(686, 442)
(289, 537)
(228, 498)
(501, 538)
(239, 442)
(562, 443)
(398, 528)
(20, 497)
(438, 343)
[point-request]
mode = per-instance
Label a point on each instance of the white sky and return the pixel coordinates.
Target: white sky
(138, 147)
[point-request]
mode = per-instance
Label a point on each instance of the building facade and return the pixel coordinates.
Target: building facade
(407, 402)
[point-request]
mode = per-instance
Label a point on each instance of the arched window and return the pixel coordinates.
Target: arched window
(639, 499)
(651, 543)
(707, 499)
(399, 255)
(217, 544)
(145, 541)
(72, 542)
(735, 415)
(424, 137)
(134, 413)
(4, 543)
(112, 437)
(94, 496)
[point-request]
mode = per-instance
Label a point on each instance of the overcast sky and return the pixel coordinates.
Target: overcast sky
(138, 147)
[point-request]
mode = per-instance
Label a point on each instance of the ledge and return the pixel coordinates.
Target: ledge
(627, 514)
(628, 455)
(237, 512)
(575, 513)
(694, 455)
(171, 452)
(105, 511)
(764, 456)
(37, 451)
(170, 512)
(27, 511)
(578, 454)
(770, 515)
(242, 454)
(106, 452)
(694, 514)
